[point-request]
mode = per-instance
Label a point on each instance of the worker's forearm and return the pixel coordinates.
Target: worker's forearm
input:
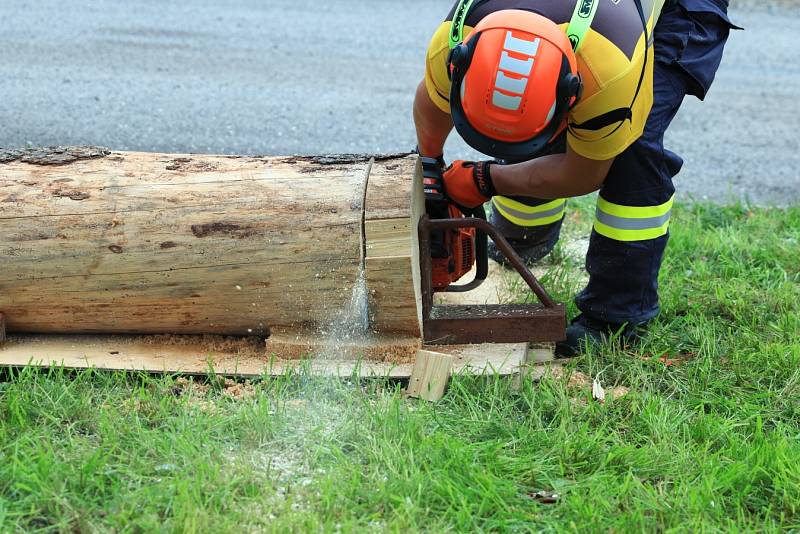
(553, 176)
(433, 125)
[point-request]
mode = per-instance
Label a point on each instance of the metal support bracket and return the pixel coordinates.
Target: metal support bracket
(494, 323)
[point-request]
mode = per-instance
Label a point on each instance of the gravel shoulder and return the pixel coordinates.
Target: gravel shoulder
(284, 77)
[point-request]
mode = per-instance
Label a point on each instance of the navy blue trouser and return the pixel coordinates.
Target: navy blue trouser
(623, 274)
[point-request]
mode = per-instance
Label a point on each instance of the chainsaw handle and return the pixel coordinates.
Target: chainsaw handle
(426, 225)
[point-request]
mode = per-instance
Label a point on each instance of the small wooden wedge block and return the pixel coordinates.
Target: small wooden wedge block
(429, 378)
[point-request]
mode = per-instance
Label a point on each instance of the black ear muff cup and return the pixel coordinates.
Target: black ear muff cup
(571, 86)
(459, 58)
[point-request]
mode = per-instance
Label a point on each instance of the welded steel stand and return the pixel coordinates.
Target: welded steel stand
(488, 323)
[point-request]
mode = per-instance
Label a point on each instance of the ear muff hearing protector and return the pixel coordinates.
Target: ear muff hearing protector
(569, 87)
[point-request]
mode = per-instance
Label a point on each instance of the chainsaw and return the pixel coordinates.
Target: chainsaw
(453, 239)
(456, 250)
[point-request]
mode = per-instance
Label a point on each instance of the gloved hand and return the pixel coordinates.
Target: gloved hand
(469, 183)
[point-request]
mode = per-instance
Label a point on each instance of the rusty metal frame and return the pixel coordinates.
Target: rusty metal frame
(492, 323)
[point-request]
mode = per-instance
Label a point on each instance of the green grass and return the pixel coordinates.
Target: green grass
(709, 445)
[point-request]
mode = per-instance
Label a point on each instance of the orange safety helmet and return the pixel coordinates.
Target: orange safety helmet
(513, 81)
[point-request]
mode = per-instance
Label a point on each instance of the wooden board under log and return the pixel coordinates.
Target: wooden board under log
(200, 355)
(120, 242)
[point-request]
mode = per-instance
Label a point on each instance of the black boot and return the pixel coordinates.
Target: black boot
(528, 251)
(532, 243)
(585, 332)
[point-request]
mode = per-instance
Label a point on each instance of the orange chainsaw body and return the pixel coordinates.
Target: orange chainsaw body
(460, 246)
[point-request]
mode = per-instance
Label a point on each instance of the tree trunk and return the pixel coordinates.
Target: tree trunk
(93, 241)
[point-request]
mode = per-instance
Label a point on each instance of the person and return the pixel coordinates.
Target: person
(569, 99)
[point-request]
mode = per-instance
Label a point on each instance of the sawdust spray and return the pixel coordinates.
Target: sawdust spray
(349, 325)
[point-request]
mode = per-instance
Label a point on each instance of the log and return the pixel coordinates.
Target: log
(94, 241)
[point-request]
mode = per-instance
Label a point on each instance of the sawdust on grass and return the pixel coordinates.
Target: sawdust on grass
(581, 383)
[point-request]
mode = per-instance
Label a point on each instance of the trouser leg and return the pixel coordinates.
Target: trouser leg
(634, 205)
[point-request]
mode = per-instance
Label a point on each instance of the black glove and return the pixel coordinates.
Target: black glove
(436, 203)
(433, 177)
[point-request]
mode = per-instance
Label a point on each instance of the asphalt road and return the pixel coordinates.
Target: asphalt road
(303, 76)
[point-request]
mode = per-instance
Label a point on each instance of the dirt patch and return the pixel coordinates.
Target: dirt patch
(670, 360)
(575, 379)
(582, 383)
(185, 385)
(239, 391)
(198, 392)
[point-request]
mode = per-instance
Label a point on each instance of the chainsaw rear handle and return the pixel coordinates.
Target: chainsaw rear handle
(481, 253)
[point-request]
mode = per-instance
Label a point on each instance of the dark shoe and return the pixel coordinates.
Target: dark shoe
(585, 332)
(529, 252)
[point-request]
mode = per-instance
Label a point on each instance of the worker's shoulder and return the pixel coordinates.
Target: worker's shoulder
(618, 21)
(613, 53)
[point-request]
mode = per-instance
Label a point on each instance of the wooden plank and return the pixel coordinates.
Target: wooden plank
(2, 328)
(429, 377)
(198, 354)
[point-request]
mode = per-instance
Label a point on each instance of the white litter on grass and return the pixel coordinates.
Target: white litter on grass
(598, 393)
